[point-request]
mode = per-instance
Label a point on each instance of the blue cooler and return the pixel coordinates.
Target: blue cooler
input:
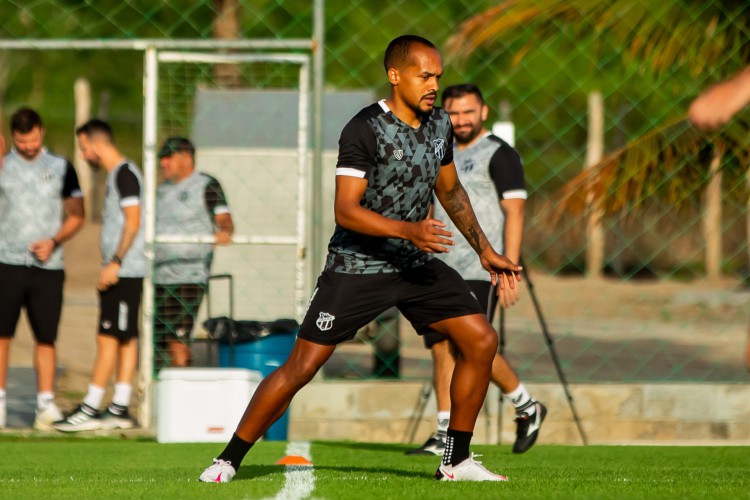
(264, 355)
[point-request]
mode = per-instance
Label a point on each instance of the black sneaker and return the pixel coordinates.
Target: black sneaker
(433, 446)
(111, 420)
(528, 427)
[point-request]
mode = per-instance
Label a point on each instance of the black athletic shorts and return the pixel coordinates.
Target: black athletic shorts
(485, 293)
(38, 290)
(118, 309)
(176, 309)
(343, 303)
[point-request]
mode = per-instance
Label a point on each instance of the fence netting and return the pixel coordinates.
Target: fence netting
(671, 202)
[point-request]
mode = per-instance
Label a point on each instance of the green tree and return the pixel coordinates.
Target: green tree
(677, 45)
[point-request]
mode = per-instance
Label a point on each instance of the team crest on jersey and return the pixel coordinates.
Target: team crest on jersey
(439, 148)
(468, 166)
(325, 321)
(399, 153)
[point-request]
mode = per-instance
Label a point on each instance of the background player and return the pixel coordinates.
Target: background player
(41, 206)
(492, 174)
(120, 284)
(186, 202)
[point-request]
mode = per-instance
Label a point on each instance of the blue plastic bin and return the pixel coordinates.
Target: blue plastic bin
(264, 355)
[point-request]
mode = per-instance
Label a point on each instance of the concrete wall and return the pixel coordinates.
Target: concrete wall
(610, 414)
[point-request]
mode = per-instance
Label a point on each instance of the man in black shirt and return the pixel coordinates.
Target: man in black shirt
(392, 156)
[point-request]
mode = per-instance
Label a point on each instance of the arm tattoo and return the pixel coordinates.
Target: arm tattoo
(457, 205)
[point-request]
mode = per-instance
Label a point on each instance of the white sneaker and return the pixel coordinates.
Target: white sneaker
(83, 419)
(468, 470)
(221, 471)
(111, 421)
(46, 417)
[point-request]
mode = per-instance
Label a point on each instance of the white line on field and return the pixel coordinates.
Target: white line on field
(299, 480)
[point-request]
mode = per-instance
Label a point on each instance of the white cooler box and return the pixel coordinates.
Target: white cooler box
(202, 405)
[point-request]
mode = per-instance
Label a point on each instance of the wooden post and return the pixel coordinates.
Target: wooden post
(747, 225)
(82, 92)
(594, 152)
(226, 27)
(712, 216)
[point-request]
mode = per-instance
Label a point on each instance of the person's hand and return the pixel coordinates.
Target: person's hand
(429, 235)
(503, 272)
(508, 296)
(109, 276)
(42, 249)
(716, 106)
(222, 238)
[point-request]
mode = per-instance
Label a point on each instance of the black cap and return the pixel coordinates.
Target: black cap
(176, 145)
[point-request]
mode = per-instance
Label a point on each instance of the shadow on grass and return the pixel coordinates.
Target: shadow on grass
(250, 472)
(397, 448)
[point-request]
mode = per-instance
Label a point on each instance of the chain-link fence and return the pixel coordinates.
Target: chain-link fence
(552, 68)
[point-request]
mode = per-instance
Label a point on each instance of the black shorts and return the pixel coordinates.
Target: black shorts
(176, 309)
(485, 293)
(119, 307)
(38, 290)
(343, 303)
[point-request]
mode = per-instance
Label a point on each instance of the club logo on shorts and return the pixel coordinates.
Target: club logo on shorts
(439, 148)
(325, 321)
(399, 153)
(106, 324)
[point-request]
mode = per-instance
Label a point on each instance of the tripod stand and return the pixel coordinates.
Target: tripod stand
(427, 389)
(550, 347)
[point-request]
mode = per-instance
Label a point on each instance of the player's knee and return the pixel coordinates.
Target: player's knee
(486, 342)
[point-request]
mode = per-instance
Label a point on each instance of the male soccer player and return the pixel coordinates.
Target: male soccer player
(41, 206)
(120, 284)
(492, 174)
(187, 202)
(392, 156)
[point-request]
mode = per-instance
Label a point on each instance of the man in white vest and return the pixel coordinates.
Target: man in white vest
(187, 203)
(41, 206)
(120, 284)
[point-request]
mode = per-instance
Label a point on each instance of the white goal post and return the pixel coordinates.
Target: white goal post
(164, 51)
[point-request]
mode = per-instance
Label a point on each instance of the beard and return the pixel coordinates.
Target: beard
(467, 135)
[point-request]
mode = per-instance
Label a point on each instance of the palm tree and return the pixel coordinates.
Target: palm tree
(690, 39)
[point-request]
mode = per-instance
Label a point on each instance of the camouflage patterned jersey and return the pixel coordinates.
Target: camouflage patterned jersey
(187, 207)
(401, 165)
(490, 170)
(31, 209)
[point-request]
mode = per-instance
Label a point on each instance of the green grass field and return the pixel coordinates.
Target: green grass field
(38, 467)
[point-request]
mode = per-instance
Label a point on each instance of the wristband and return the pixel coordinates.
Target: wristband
(115, 260)
(56, 242)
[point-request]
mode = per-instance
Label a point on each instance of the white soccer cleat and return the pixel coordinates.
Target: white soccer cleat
(81, 420)
(46, 417)
(468, 470)
(221, 471)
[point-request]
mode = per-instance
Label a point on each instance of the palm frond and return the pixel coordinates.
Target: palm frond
(664, 34)
(667, 164)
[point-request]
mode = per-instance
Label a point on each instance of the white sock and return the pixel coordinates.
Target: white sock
(2, 394)
(95, 396)
(44, 400)
(443, 418)
(520, 398)
(122, 394)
